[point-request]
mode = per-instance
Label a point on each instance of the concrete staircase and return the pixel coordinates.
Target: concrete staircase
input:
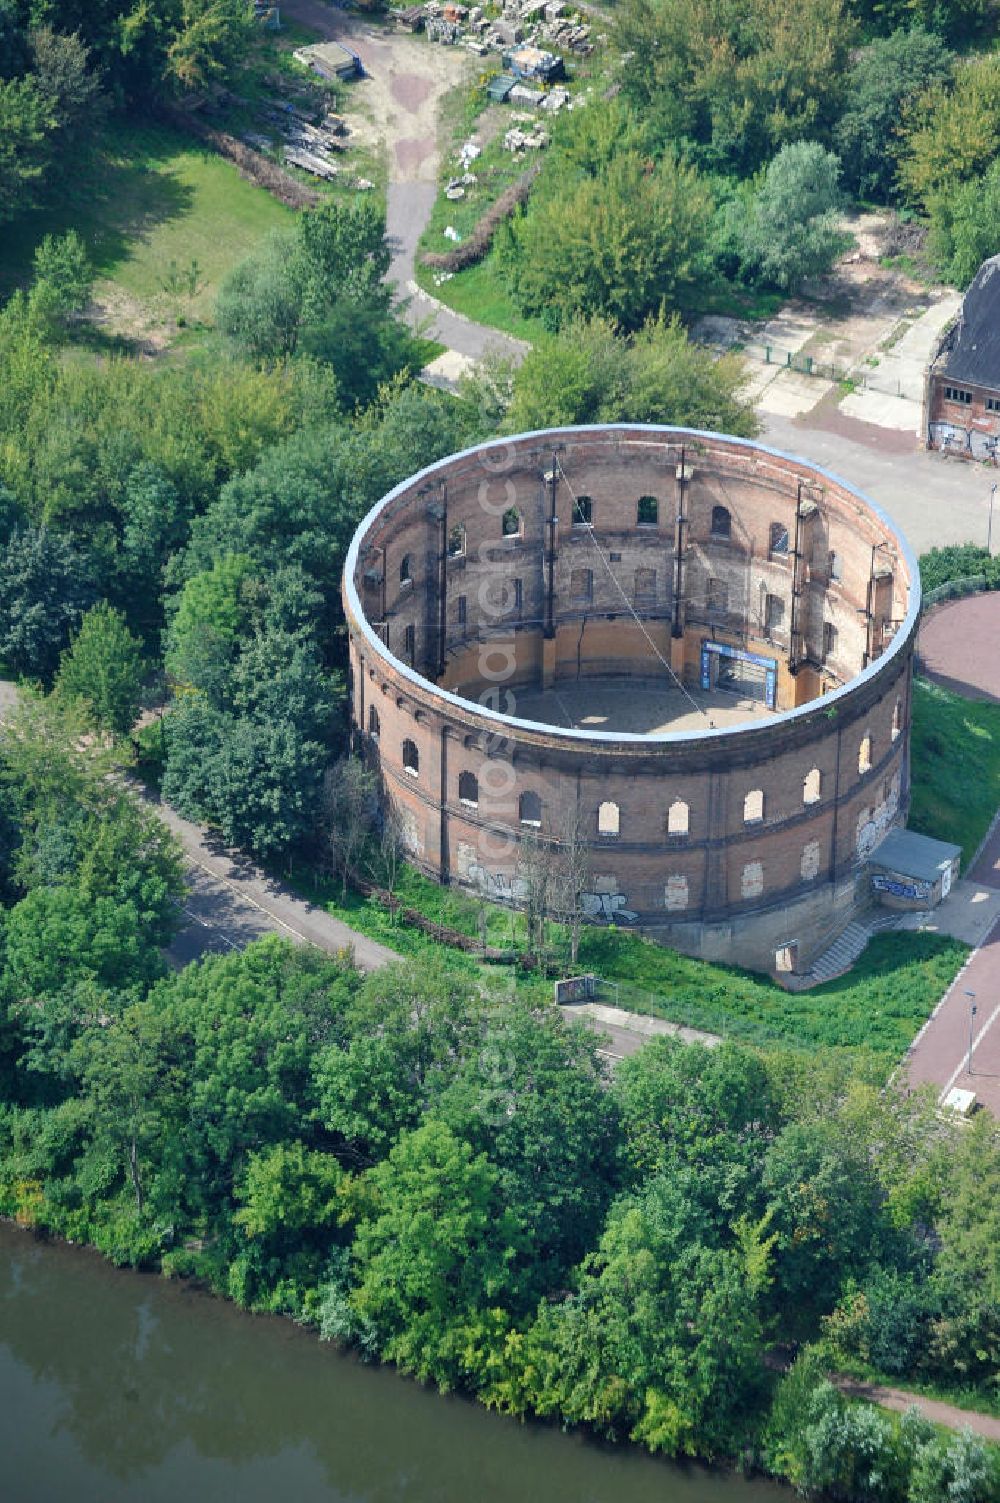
(842, 953)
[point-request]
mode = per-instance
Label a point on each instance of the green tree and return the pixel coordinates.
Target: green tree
(434, 1256)
(44, 591)
(965, 226)
(63, 279)
(959, 1469)
(103, 667)
(623, 246)
(788, 231)
(738, 80)
(887, 76)
(533, 1096)
(208, 627)
(661, 1343)
(826, 1210)
(951, 134)
(24, 126)
(290, 1207)
(586, 373)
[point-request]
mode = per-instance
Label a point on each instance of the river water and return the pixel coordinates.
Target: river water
(118, 1385)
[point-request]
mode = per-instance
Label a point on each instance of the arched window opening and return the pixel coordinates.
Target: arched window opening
(411, 757)
(468, 789)
(897, 718)
(405, 576)
(608, 819)
(778, 540)
(648, 511)
(583, 511)
(530, 809)
(865, 754)
(753, 807)
(511, 523)
(722, 522)
(456, 541)
(678, 818)
(373, 721)
(811, 785)
(833, 565)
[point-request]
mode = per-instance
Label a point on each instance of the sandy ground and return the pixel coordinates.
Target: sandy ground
(642, 707)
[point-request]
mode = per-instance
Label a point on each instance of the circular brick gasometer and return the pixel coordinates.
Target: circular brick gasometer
(668, 669)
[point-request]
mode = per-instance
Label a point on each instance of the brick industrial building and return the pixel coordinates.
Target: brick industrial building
(962, 387)
(689, 654)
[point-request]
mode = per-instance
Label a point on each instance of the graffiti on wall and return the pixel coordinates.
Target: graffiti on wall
(609, 906)
(874, 824)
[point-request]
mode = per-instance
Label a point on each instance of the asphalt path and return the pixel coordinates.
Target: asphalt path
(231, 902)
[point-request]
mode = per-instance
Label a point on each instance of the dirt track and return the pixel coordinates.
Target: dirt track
(396, 108)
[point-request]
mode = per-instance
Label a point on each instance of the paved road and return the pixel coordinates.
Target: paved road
(940, 1053)
(232, 902)
(934, 499)
(958, 646)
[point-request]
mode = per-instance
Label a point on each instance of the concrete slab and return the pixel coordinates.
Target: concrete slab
(883, 410)
(793, 394)
(626, 1032)
(640, 706)
(447, 370)
(968, 913)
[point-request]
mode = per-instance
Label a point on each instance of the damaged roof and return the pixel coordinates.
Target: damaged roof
(973, 346)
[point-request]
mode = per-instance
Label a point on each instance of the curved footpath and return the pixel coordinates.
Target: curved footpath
(407, 79)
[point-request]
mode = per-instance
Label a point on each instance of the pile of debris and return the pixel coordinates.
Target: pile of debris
(518, 140)
(524, 25)
(310, 138)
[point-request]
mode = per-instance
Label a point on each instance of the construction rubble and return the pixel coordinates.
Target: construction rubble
(529, 26)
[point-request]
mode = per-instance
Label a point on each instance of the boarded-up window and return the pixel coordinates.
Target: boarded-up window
(753, 807)
(581, 584)
(774, 614)
(811, 785)
(752, 882)
(809, 865)
(865, 755)
(675, 893)
(461, 610)
(678, 818)
(897, 718)
(608, 819)
(645, 584)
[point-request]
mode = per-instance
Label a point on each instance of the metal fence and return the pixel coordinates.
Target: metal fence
(862, 377)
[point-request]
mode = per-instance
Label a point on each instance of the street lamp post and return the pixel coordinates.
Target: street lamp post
(972, 1028)
(989, 525)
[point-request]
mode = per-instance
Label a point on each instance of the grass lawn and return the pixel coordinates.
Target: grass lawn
(877, 1008)
(479, 293)
(955, 749)
(150, 203)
